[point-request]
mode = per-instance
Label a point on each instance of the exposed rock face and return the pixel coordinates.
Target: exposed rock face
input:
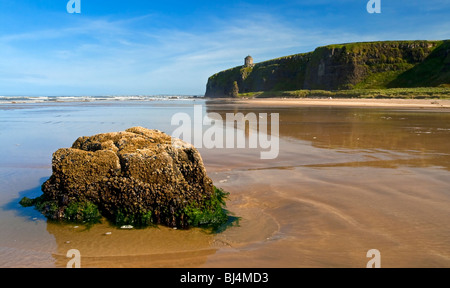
(371, 65)
(134, 176)
(287, 73)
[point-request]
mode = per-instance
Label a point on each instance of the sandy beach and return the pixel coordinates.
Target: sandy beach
(396, 103)
(351, 175)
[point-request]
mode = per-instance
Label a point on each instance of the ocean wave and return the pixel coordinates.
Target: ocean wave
(50, 99)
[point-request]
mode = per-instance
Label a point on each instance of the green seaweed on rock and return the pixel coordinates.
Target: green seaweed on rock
(75, 212)
(82, 212)
(211, 214)
(141, 219)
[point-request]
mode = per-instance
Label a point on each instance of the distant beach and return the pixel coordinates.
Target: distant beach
(352, 175)
(342, 102)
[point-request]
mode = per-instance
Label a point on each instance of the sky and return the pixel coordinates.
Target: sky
(171, 47)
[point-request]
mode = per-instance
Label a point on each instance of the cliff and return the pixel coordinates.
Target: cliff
(369, 65)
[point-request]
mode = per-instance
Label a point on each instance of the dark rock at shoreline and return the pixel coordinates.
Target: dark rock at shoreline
(138, 177)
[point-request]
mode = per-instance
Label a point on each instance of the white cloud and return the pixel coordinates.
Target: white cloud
(102, 56)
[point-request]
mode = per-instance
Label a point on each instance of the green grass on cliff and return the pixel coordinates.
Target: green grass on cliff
(400, 64)
(362, 47)
(395, 93)
(433, 71)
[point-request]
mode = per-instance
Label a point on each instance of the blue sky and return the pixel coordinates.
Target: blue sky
(138, 47)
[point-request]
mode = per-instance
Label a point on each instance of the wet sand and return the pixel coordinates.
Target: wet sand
(347, 180)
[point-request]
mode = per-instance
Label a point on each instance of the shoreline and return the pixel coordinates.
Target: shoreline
(442, 105)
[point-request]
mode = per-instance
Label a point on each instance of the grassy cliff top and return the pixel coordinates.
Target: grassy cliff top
(356, 47)
(392, 93)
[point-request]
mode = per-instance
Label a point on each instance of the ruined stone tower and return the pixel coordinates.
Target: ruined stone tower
(248, 61)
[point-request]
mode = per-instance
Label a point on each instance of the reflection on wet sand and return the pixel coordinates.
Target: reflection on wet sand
(106, 246)
(347, 180)
(376, 133)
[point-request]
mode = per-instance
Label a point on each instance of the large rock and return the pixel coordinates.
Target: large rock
(136, 177)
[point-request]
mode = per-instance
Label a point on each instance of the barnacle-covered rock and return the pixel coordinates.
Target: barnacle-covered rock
(136, 177)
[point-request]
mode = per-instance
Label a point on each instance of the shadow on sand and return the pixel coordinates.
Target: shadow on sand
(30, 213)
